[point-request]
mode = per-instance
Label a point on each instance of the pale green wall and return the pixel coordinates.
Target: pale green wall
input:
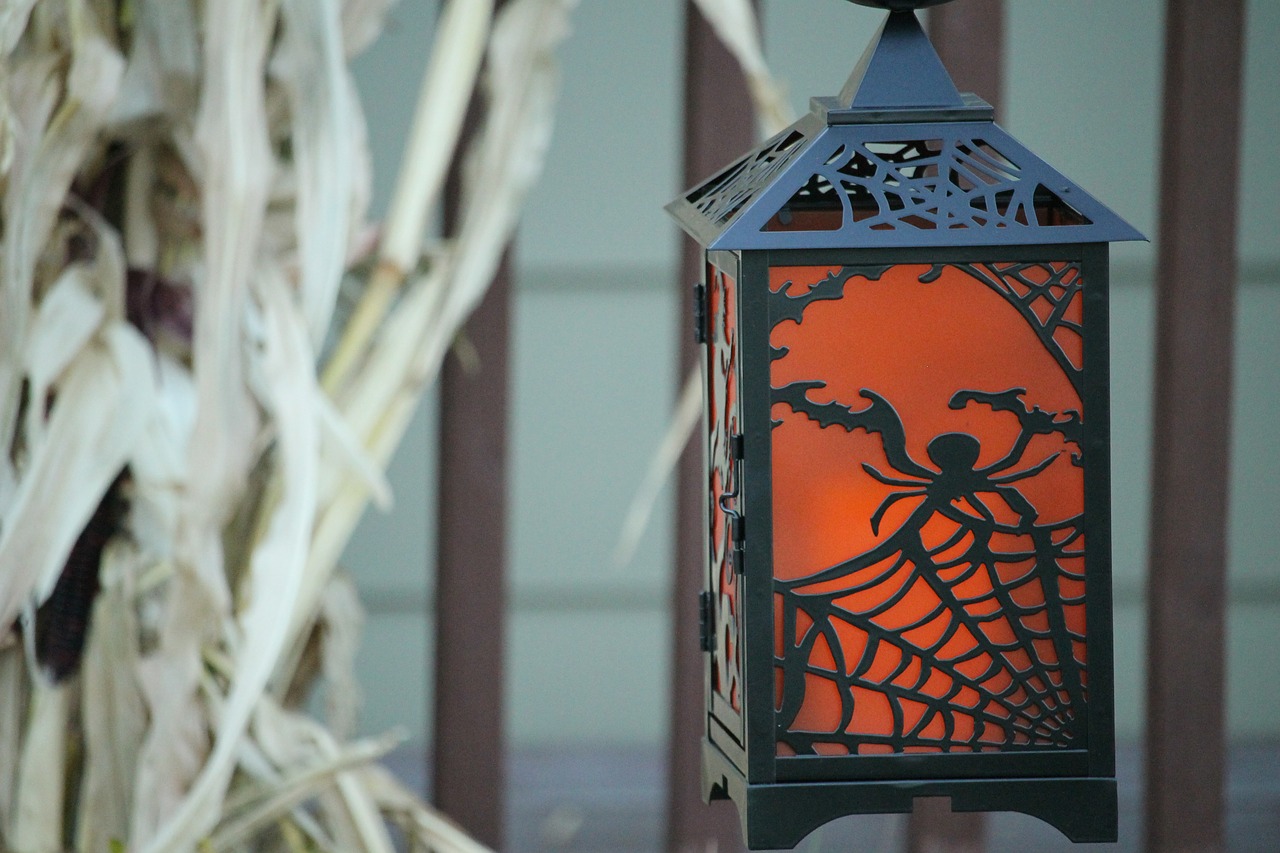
(595, 326)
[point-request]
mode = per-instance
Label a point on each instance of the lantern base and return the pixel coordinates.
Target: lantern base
(780, 815)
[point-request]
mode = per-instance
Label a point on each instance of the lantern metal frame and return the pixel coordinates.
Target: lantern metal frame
(963, 192)
(1073, 790)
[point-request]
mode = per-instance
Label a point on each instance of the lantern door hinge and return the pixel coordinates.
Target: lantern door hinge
(706, 621)
(737, 446)
(700, 313)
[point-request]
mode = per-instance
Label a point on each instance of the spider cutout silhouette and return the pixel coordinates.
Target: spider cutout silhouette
(972, 643)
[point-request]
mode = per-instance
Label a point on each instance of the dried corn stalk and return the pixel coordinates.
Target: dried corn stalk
(184, 187)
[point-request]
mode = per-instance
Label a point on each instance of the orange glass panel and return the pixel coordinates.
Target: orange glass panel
(928, 495)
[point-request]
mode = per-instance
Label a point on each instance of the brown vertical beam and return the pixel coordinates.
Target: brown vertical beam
(469, 743)
(719, 125)
(969, 37)
(1195, 298)
(469, 768)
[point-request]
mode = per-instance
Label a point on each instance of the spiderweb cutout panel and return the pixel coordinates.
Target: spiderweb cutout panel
(928, 500)
(724, 421)
(924, 184)
(1048, 297)
(728, 192)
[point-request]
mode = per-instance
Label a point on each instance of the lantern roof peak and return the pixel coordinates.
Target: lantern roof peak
(900, 70)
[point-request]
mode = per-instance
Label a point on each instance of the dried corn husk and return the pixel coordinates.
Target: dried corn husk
(322, 102)
(52, 122)
(111, 705)
(686, 417)
(37, 819)
(442, 104)
(176, 338)
(93, 427)
(406, 357)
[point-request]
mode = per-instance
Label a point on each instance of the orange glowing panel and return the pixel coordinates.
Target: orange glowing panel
(928, 500)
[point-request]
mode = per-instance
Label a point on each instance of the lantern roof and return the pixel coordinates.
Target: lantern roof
(898, 159)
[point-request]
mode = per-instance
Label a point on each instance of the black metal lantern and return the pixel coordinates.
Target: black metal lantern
(908, 493)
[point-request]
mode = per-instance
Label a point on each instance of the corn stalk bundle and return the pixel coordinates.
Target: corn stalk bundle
(189, 430)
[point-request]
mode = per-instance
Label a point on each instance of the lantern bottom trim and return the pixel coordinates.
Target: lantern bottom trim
(780, 815)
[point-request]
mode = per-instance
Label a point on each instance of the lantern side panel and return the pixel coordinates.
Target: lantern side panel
(724, 421)
(928, 502)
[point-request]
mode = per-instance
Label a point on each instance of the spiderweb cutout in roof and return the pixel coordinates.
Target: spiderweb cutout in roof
(925, 184)
(724, 195)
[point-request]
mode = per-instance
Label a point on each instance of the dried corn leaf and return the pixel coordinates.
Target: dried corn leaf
(95, 422)
(67, 318)
(507, 160)
(177, 740)
(161, 74)
(341, 621)
(277, 564)
(407, 354)
(107, 266)
(37, 818)
(303, 831)
(684, 420)
(523, 82)
(160, 462)
(112, 710)
(31, 91)
(13, 20)
(351, 810)
(362, 21)
(47, 152)
(235, 169)
(141, 232)
(13, 705)
(348, 457)
(324, 145)
(442, 103)
(244, 821)
(427, 827)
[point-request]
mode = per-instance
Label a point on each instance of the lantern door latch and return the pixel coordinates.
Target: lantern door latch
(738, 533)
(700, 313)
(706, 621)
(737, 523)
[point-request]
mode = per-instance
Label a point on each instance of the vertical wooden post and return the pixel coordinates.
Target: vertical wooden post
(469, 755)
(719, 125)
(468, 774)
(1195, 298)
(969, 38)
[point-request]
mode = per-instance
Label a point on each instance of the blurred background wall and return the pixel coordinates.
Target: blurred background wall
(597, 312)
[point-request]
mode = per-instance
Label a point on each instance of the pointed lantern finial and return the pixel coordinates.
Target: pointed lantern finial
(900, 69)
